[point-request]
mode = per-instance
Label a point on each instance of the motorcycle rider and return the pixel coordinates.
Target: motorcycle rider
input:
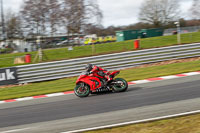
(90, 68)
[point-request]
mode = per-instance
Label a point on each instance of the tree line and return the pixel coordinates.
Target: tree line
(50, 17)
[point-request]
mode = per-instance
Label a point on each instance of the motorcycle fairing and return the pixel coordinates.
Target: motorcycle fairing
(115, 73)
(91, 81)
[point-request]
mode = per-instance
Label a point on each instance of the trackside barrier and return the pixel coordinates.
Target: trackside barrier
(117, 61)
(8, 76)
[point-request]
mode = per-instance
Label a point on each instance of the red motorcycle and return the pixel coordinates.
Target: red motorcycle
(94, 83)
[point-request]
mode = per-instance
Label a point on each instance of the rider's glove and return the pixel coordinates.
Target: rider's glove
(87, 73)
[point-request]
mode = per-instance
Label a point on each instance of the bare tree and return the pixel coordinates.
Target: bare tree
(13, 25)
(73, 15)
(40, 15)
(33, 16)
(159, 12)
(195, 9)
(50, 16)
(79, 13)
(53, 15)
(93, 12)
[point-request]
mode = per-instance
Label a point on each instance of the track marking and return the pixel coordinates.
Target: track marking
(130, 83)
(15, 130)
(134, 122)
(24, 99)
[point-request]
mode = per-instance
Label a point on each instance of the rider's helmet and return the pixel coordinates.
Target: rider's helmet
(88, 67)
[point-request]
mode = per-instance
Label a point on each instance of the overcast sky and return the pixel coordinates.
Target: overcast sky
(116, 12)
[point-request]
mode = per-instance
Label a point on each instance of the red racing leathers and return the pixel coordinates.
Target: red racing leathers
(97, 69)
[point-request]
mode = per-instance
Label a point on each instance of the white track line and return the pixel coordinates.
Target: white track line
(15, 130)
(134, 122)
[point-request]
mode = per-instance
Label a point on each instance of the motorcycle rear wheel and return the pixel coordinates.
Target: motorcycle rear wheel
(82, 91)
(121, 86)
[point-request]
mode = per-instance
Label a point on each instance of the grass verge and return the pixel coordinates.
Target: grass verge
(68, 84)
(186, 124)
(6, 60)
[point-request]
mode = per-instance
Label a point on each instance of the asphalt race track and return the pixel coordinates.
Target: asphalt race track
(67, 113)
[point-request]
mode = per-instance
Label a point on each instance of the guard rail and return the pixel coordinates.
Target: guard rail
(117, 61)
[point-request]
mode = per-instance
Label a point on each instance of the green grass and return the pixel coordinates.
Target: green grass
(68, 84)
(6, 60)
(186, 124)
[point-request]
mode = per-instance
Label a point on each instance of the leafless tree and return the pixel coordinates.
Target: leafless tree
(49, 16)
(41, 16)
(53, 15)
(195, 9)
(73, 15)
(77, 14)
(13, 25)
(33, 14)
(159, 12)
(93, 12)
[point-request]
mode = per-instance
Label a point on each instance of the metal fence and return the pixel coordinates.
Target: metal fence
(73, 67)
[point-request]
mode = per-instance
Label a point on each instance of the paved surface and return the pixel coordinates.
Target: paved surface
(130, 83)
(66, 113)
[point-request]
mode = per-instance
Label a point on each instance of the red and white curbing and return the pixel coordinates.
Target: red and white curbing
(130, 83)
(37, 97)
(163, 78)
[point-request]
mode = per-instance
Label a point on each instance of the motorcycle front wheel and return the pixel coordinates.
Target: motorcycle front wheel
(82, 90)
(120, 85)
